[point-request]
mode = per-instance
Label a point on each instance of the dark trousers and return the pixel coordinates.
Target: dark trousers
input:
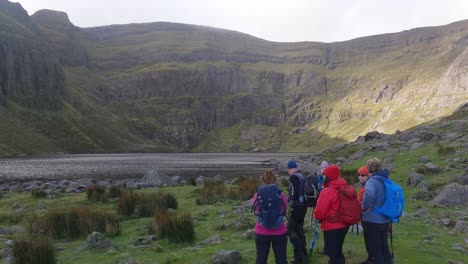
(278, 242)
(334, 240)
(296, 232)
(375, 238)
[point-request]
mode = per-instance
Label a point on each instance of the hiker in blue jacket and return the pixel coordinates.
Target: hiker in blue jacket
(375, 225)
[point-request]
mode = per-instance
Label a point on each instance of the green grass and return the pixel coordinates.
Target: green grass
(409, 245)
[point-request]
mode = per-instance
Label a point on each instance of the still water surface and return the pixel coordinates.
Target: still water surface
(119, 166)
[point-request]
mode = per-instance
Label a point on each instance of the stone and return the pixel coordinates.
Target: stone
(155, 178)
(432, 168)
(460, 226)
(249, 234)
(97, 240)
(417, 145)
(414, 179)
(226, 257)
(424, 159)
(215, 239)
(453, 194)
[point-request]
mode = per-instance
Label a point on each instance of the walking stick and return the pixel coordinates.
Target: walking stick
(312, 244)
(390, 229)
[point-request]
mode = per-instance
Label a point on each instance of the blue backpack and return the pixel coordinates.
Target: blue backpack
(268, 206)
(394, 200)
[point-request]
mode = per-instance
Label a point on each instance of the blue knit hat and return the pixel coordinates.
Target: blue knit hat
(292, 164)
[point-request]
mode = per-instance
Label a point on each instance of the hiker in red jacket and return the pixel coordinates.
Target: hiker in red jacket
(328, 202)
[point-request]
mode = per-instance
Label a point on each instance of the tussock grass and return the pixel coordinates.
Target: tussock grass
(96, 193)
(115, 191)
(33, 251)
(75, 222)
(211, 192)
(445, 150)
(216, 191)
(144, 204)
(177, 228)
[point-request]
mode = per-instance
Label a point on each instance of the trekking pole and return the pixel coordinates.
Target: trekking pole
(312, 244)
(390, 230)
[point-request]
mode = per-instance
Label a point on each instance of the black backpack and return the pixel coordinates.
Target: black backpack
(269, 206)
(311, 190)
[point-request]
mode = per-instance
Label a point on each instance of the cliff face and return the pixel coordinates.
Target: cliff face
(29, 76)
(176, 87)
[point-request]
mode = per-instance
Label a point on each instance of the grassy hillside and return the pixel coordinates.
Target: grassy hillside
(176, 87)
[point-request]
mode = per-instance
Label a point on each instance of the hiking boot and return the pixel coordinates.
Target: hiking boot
(300, 260)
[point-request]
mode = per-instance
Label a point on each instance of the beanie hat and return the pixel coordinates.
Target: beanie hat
(363, 171)
(324, 164)
(292, 164)
(332, 172)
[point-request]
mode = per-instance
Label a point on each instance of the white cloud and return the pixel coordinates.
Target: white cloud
(276, 20)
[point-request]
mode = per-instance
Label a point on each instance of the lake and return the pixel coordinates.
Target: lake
(120, 166)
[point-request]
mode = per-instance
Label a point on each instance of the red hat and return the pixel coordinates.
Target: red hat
(363, 170)
(332, 172)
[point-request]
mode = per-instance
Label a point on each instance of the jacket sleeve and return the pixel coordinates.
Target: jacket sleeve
(368, 199)
(323, 205)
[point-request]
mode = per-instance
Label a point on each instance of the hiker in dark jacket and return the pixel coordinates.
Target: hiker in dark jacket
(328, 202)
(375, 225)
(265, 236)
(297, 212)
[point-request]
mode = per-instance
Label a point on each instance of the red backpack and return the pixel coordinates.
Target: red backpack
(349, 210)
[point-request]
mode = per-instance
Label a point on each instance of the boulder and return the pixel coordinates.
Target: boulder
(424, 159)
(97, 240)
(432, 168)
(155, 178)
(215, 239)
(452, 195)
(414, 179)
(226, 257)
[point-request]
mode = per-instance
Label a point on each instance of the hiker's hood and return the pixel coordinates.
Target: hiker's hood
(337, 183)
(384, 173)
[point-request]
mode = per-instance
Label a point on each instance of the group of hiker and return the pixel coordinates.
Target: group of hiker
(335, 206)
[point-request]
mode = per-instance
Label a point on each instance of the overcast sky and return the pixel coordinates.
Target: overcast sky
(275, 20)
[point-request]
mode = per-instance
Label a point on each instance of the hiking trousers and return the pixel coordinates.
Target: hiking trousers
(296, 231)
(277, 242)
(334, 240)
(376, 240)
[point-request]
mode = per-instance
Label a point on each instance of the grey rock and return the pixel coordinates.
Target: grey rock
(357, 155)
(462, 179)
(155, 178)
(215, 239)
(97, 240)
(201, 179)
(249, 234)
(226, 257)
(452, 195)
(432, 168)
(460, 226)
(446, 221)
(413, 140)
(424, 159)
(414, 179)
(416, 145)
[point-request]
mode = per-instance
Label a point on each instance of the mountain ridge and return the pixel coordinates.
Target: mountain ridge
(174, 87)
